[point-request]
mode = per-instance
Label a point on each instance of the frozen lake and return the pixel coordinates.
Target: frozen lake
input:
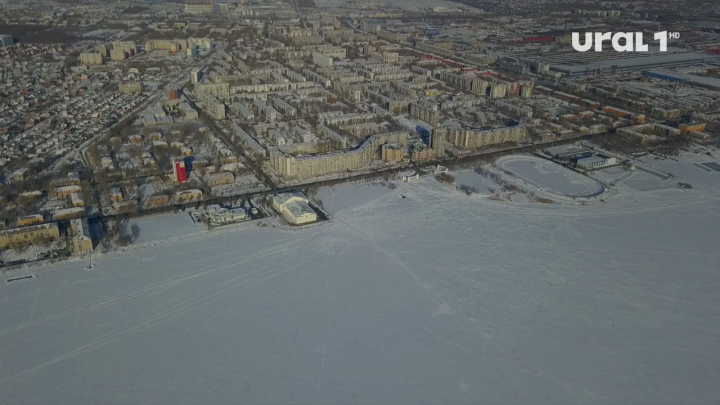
(347, 195)
(165, 226)
(431, 299)
(550, 176)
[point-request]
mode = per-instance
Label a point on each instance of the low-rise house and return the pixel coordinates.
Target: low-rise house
(221, 216)
(189, 194)
(69, 213)
(220, 179)
(66, 191)
(157, 200)
(31, 220)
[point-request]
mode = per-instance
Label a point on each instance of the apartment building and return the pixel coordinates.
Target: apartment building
(467, 138)
(80, 238)
(28, 235)
(321, 164)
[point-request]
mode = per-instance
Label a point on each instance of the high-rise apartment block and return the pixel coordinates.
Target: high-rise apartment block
(91, 59)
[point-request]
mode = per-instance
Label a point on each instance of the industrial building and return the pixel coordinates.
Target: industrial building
(565, 151)
(295, 207)
(589, 63)
(422, 46)
(708, 82)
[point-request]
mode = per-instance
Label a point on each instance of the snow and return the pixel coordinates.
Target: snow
(162, 226)
(642, 181)
(471, 179)
(549, 176)
(611, 174)
(434, 298)
(344, 196)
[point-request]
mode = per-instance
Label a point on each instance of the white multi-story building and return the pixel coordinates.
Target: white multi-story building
(295, 207)
(322, 60)
(596, 162)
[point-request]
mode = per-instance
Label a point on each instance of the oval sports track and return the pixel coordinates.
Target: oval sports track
(549, 176)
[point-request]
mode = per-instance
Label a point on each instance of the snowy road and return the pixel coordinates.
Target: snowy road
(437, 298)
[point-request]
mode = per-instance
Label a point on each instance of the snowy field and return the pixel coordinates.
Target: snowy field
(437, 298)
(549, 176)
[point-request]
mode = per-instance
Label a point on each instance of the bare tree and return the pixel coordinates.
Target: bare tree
(123, 240)
(446, 178)
(135, 229)
(93, 154)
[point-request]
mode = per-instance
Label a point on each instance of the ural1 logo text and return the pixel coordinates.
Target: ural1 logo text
(633, 41)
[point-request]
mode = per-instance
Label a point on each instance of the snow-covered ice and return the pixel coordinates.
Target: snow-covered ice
(163, 226)
(346, 195)
(434, 298)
